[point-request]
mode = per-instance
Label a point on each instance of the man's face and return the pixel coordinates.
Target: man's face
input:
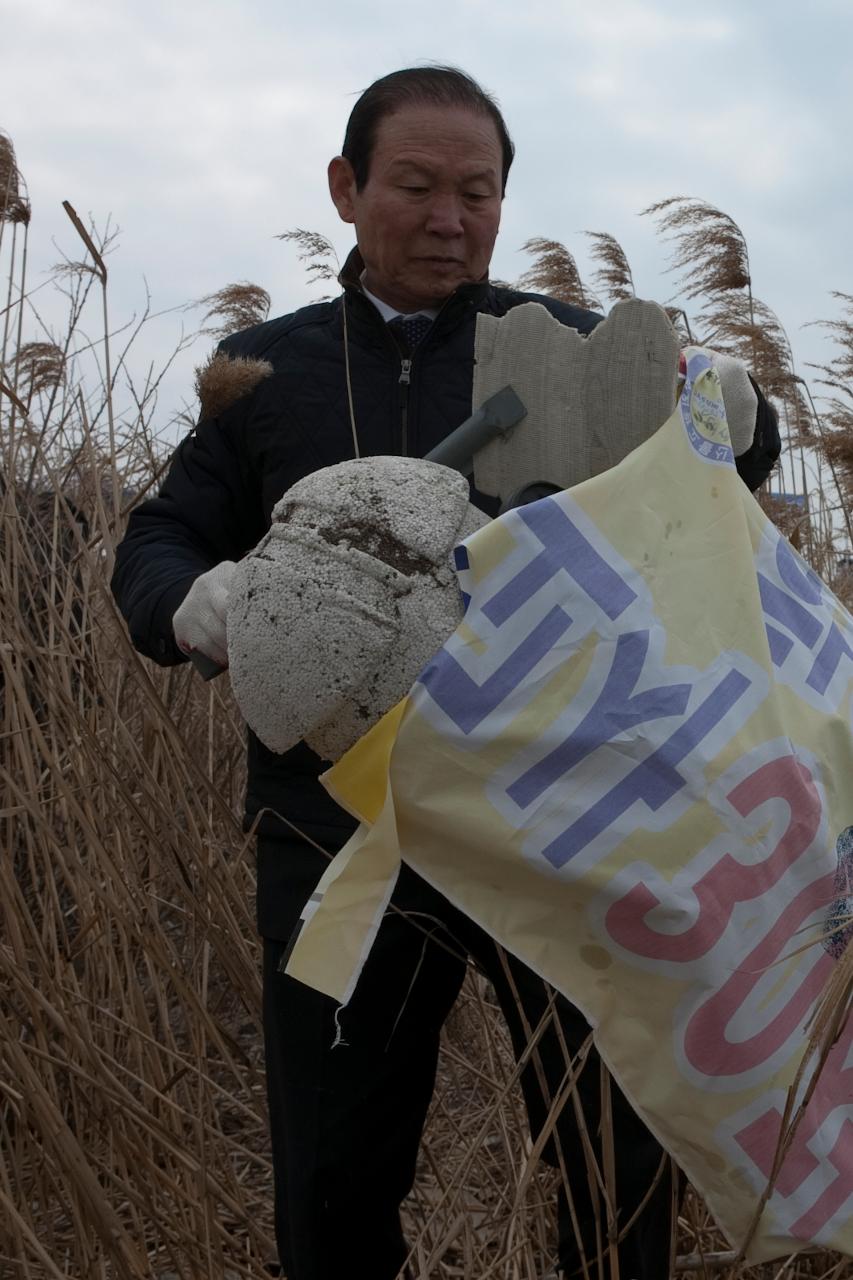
(427, 217)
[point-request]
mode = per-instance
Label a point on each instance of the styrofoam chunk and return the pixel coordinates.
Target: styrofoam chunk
(346, 599)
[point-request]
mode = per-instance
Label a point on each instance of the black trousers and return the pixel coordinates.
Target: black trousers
(349, 1089)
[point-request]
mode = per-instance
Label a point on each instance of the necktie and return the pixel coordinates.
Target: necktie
(410, 329)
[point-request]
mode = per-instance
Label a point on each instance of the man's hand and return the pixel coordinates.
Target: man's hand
(739, 398)
(199, 623)
(753, 422)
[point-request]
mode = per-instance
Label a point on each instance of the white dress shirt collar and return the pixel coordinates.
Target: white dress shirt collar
(390, 313)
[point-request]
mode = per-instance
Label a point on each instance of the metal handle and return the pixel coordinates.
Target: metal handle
(494, 418)
(206, 667)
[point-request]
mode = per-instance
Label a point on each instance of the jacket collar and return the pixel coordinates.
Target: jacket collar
(465, 297)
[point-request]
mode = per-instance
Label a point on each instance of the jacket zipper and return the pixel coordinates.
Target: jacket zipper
(404, 380)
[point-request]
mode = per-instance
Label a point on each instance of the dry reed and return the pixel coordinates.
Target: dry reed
(613, 276)
(316, 252)
(14, 204)
(554, 271)
(235, 307)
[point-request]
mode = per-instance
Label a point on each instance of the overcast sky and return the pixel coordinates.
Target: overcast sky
(203, 129)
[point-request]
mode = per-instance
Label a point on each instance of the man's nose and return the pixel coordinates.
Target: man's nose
(445, 216)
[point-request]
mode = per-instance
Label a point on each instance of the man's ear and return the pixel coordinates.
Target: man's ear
(342, 187)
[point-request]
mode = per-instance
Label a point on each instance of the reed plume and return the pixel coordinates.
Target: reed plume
(835, 437)
(14, 203)
(236, 307)
(41, 367)
(712, 260)
(316, 251)
(839, 371)
(711, 250)
(613, 276)
(554, 272)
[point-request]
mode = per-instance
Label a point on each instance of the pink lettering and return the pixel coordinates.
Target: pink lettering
(728, 882)
(834, 1196)
(760, 1138)
(705, 1041)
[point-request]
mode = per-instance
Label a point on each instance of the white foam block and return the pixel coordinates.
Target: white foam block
(345, 600)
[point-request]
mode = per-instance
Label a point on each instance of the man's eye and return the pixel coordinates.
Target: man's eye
(476, 197)
(413, 189)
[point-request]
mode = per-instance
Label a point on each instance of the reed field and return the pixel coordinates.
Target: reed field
(132, 1114)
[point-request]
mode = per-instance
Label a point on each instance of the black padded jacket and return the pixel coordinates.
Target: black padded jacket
(226, 476)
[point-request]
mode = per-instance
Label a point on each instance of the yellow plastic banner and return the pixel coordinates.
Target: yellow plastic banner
(632, 765)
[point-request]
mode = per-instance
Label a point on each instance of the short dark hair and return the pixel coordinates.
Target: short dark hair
(435, 86)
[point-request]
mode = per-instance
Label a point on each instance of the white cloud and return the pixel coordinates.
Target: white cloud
(204, 128)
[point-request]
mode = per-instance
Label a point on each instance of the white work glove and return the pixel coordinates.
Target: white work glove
(738, 396)
(200, 623)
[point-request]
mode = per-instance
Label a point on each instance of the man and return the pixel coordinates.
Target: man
(421, 178)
